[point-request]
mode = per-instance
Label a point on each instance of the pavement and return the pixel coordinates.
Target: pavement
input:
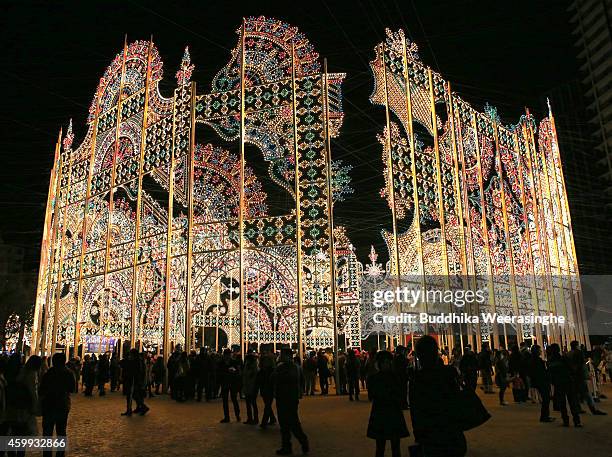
(335, 426)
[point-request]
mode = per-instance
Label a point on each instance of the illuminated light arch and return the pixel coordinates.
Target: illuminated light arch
(146, 271)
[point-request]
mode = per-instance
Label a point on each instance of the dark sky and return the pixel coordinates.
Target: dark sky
(506, 53)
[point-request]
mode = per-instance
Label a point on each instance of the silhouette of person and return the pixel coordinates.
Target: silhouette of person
(433, 386)
(55, 388)
(387, 421)
(229, 371)
(287, 390)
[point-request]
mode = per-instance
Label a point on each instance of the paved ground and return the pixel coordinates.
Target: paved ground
(336, 427)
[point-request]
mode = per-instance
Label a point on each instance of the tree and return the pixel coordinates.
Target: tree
(17, 293)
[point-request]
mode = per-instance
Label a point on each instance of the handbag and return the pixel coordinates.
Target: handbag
(466, 410)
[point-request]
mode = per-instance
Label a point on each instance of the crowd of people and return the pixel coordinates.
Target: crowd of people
(426, 380)
(571, 376)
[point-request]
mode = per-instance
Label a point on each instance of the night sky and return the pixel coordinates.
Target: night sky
(506, 53)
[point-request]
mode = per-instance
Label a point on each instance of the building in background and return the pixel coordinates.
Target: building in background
(592, 26)
(591, 205)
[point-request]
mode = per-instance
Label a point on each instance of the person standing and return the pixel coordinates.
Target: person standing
(432, 389)
(341, 387)
(229, 372)
(469, 367)
(55, 388)
(288, 392)
(363, 373)
(89, 375)
(563, 384)
(200, 368)
(149, 374)
(103, 374)
(353, 369)
(115, 372)
(310, 373)
(249, 389)
(485, 365)
(502, 368)
(134, 378)
(370, 367)
(27, 406)
(158, 373)
(324, 372)
(400, 369)
(538, 374)
(386, 421)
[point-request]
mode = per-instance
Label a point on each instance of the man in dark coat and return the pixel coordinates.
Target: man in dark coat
(115, 372)
(287, 390)
(400, 370)
(230, 377)
(266, 389)
(485, 364)
(89, 375)
(469, 367)
(323, 370)
(134, 379)
(55, 388)
(538, 374)
(353, 370)
(564, 385)
(103, 373)
(200, 367)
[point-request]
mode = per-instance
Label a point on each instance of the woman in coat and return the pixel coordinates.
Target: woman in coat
(432, 390)
(387, 421)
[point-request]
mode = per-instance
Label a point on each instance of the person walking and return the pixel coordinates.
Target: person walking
(229, 372)
(287, 392)
(386, 421)
(266, 388)
(431, 391)
(56, 386)
(581, 375)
